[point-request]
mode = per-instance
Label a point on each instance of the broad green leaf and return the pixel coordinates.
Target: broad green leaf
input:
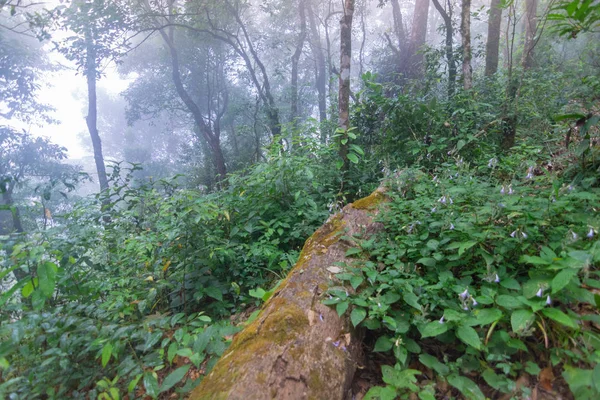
(383, 343)
(562, 279)
(341, 307)
(466, 386)
(353, 251)
(257, 293)
(151, 384)
(174, 378)
(433, 328)
(432, 362)
(469, 336)
(353, 158)
(27, 289)
(521, 319)
(404, 379)
(507, 301)
(559, 316)
(133, 383)
(381, 393)
(172, 351)
(486, 316)
(106, 353)
(427, 261)
(356, 281)
(214, 292)
(357, 315)
(47, 278)
(412, 300)
(510, 283)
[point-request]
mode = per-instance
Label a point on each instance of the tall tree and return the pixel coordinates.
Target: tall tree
(530, 30)
(316, 47)
(465, 31)
(344, 91)
(413, 59)
(296, 59)
(492, 46)
(449, 48)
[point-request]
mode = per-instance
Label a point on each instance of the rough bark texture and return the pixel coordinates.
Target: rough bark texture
(530, 29)
(344, 92)
(414, 58)
(492, 46)
(465, 31)
(298, 348)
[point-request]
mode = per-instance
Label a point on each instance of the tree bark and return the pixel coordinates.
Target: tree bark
(321, 69)
(398, 25)
(413, 61)
(447, 17)
(92, 117)
(465, 31)
(298, 348)
(530, 29)
(295, 60)
(492, 46)
(344, 91)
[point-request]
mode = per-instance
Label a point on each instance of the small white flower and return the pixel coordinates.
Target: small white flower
(540, 293)
(493, 162)
(570, 188)
(548, 301)
(510, 190)
(524, 235)
(442, 200)
(464, 294)
(442, 320)
(474, 302)
(450, 198)
(466, 308)
(513, 234)
(379, 305)
(501, 205)
(590, 233)
(503, 190)
(433, 209)
(529, 173)
(574, 235)
(497, 280)
(451, 227)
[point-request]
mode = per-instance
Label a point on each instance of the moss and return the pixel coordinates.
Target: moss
(315, 381)
(371, 201)
(284, 322)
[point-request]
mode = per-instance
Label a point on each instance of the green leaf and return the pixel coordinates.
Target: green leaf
(507, 301)
(133, 383)
(172, 351)
(469, 336)
(174, 378)
(510, 283)
(47, 278)
(356, 281)
(427, 261)
(353, 251)
(381, 393)
(596, 377)
(559, 316)
(257, 293)
(357, 315)
(214, 292)
(404, 379)
(353, 158)
(521, 319)
(562, 279)
(432, 362)
(341, 308)
(433, 328)
(412, 300)
(151, 384)
(106, 353)
(27, 289)
(466, 386)
(383, 343)
(486, 316)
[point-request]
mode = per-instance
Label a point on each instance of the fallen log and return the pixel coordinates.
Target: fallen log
(298, 348)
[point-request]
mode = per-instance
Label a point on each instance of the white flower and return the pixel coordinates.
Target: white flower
(474, 301)
(524, 235)
(450, 198)
(510, 190)
(451, 227)
(442, 320)
(497, 280)
(513, 234)
(548, 300)
(529, 173)
(493, 162)
(540, 293)
(442, 200)
(570, 188)
(574, 235)
(464, 294)
(590, 233)
(503, 190)
(466, 308)
(433, 209)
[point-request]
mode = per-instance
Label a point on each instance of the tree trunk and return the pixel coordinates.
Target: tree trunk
(344, 92)
(465, 31)
(492, 46)
(92, 117)
(398, 25)
(413, 61)
(530, 29)
(447, 17)
(295, 60)
(298, 348)
(321, 76)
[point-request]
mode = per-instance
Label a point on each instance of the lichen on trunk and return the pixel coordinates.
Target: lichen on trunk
(298, 348)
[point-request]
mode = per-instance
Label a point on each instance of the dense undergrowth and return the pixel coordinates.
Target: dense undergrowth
(486, 275)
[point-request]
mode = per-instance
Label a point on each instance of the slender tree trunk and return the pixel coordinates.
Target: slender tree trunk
(465, 31)
(447, 17)
(530, 29)
(321, 77)
(92, 117)
(493, 40)
(398, 25)
(344, 92)
(413, 60)
(295, 60)
(212, 140)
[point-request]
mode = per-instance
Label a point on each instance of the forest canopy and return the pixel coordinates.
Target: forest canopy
(164, 162)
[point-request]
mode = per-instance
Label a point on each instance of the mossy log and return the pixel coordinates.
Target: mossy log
(298, 348)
